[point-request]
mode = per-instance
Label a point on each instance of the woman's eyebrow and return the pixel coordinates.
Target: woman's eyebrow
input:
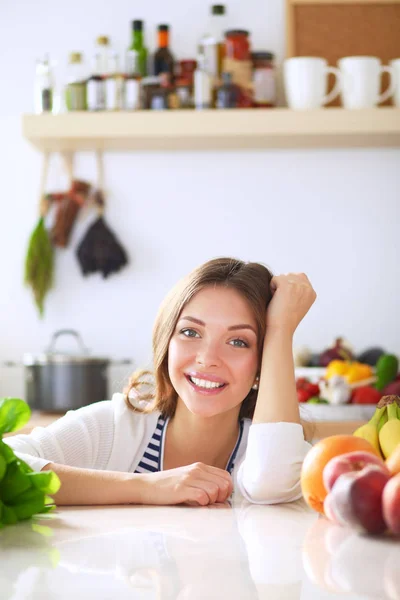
(232, 328)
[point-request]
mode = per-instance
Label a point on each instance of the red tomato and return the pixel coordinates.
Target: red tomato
(302, 395)
(365, 395)
(313, 389)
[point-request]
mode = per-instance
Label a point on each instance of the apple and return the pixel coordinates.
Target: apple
(347, 463)
(356, 499)
(391, 504)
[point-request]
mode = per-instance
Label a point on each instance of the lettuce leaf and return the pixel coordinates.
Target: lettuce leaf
(23, 492)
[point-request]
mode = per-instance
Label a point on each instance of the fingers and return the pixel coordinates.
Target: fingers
(208, 485)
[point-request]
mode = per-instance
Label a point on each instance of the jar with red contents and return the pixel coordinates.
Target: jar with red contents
(186, 69)
(237, 61)
(237, 45)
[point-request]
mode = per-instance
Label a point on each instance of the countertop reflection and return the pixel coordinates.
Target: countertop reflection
(234, 551)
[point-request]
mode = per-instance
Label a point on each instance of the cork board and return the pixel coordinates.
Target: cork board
(336, 28)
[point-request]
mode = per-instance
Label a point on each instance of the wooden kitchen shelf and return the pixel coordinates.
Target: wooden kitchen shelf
(214, 129)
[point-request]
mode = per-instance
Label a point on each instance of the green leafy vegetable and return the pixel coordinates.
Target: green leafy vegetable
(39, 264)
(23, 492)
(14, 414)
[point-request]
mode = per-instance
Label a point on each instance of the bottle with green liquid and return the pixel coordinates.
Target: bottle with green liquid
(138, 45)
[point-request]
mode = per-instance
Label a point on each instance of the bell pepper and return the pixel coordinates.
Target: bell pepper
(351, 370)
(365, 395)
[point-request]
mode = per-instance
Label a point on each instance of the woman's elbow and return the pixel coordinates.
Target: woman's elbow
(272, 490)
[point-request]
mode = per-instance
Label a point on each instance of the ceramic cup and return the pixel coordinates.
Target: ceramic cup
(395, 64)
(306, 82)
(361, 81)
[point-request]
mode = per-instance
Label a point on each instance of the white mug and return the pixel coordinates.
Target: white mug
(306, 82)
(361, 81)
(395, 64)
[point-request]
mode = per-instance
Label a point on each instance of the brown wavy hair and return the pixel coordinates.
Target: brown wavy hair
(154, 390)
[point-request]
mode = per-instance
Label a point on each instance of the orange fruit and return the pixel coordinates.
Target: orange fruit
(312, 484)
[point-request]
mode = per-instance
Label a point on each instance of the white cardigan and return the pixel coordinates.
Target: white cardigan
(109, 436)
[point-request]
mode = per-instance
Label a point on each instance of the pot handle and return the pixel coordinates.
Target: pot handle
(72, 332)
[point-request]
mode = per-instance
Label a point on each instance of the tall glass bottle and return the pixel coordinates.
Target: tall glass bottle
(132, 82)
(202, 88)
(138, 45)
(113, 84)
(163, 59)
(75, 91)
(95, 87)
(44, 86)
(103, 52)
(213, 42)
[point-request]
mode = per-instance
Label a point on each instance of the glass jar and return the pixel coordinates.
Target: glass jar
(75, 92)
(186, 69)
(237, 45)
(264, 83)
(184, 91)
(237, 61)
(227, 93)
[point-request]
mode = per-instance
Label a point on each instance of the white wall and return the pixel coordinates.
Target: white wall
(331, 213)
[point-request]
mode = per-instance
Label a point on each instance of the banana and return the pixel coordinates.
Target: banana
(383, 420)
(369, 431)
(389, 435)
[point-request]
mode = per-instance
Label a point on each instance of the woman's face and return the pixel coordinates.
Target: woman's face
(214, 343)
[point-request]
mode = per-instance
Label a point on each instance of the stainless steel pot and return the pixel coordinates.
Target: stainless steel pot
(58, 382)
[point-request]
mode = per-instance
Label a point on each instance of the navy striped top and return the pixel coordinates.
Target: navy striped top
(152, 459)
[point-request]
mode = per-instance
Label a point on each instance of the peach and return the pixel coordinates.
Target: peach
(346, 463)
(391, 504)
(356, 499)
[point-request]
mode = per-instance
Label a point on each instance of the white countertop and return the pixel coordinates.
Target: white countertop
(241, 552)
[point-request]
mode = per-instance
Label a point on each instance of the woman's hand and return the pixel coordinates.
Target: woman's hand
(293, 296)
(197, 484)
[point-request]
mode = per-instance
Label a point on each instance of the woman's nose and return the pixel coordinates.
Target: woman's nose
(208, 355)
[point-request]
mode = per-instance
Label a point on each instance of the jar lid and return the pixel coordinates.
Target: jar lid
(218, 9)
(75, 57)
(236, 32)
(188, 62)
(103, 40)
(263, 55)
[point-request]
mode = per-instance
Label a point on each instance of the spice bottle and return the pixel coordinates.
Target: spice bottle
(114, 84)
(202, 85)
(264, 86)
(75, 91)
(95, 87)
(138, 46)
(132, 81)
(44, 87)
(227, 93)
(163, 59)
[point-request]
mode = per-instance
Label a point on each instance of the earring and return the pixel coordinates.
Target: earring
(255, 385)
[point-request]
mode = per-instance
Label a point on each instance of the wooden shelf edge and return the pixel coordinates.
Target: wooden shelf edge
(211, 129)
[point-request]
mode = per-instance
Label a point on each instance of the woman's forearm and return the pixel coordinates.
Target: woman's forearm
(90, 486)
(277, 397)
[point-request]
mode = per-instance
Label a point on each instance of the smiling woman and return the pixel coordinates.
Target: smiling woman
(218, 413)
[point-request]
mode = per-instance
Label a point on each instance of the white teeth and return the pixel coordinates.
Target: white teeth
(204, 383)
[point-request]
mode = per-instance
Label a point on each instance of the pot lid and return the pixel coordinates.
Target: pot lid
(51, 356)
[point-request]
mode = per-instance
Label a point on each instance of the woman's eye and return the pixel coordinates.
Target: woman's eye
(186, 332)
(242, 343)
